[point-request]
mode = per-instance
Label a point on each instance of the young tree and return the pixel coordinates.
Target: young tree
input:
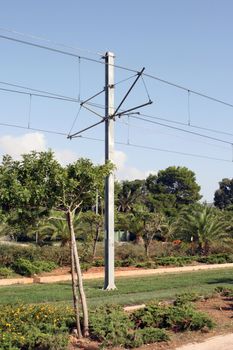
(39, 181)
(92, 225)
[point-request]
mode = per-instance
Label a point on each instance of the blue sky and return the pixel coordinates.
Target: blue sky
(187, 42)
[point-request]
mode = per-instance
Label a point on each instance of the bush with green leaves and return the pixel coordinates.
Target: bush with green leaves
(6, 272)
(186, 298)
(28, 327)
(111, 325)
(29, 268)
(220, 258)
(176, 318)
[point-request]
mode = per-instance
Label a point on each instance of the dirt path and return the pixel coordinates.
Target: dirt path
(221, 342)
(96, 273)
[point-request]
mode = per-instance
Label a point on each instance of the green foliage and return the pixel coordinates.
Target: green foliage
(10, 253)
(6, 272)
(224, 291)
(223, 197)
(110, 324)
(216, 258)
(153, 335)
(203, 225)
(29, 268)
(171, 189)
(35, 327)
(177, 318)
(174, 260)
(186, 298)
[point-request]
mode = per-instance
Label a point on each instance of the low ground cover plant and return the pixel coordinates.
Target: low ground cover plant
(43, 327)
(47, 327)
(6, 272)
(26, 267)
(113, 327)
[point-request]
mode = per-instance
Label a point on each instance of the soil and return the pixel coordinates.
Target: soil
(219, 308)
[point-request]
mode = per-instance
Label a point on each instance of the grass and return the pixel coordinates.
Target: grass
(129, 290)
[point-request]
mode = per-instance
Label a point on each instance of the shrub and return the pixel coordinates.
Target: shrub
(224, 291)
(174, 260)
(28, 268)
(6, 272)
(27, 327)
(216, 258)
(176, 318)
(110, 325)
(186, 298)
(129, 250)
(153, 335)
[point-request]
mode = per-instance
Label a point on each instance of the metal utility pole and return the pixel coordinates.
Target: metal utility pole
(109, 280)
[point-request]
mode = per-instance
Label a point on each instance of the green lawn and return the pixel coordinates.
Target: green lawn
(129, 290)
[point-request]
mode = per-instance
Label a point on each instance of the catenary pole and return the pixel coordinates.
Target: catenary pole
(109, 280)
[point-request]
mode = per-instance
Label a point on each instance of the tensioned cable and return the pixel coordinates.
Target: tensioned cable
(118, 142)
(185, 124)
(172, 135)
(38, 95)
(160, 149)
(183, 130)
(39, 91)
(171, 121)
(117, 66)
(187, 89)
(49, 41)
(33, 129)
(75, 119)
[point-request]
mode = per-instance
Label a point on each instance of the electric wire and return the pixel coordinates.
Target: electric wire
(75, 119)
(34, 37)
(182, 130)
(120, 67)
(38, 95)
(40, 91)
(196, 155)
(168, 134)
(33, 129)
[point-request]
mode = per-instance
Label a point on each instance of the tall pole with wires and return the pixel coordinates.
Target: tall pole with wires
(109, 280)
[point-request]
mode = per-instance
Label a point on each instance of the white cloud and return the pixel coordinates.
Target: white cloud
(65, 156)
(125, 172)
(18, 145)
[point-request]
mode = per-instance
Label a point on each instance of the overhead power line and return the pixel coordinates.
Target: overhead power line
(182, 130)
(34, 129)
(34, 37)
(188, 125)
(198, 93)
(38, 95)
(134, 145)
(39, 91)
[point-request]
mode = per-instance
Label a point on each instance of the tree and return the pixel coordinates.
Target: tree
(92, 225)
(39, 181)
(173, 187)
(223, 197)
(153, 224)
(204, 226)
(129, 193)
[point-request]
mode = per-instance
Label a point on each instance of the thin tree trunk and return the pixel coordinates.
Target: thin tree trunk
(79, 275)
(75, 296)
(95, 241)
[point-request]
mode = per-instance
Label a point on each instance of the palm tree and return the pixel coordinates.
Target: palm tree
(203, 225)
